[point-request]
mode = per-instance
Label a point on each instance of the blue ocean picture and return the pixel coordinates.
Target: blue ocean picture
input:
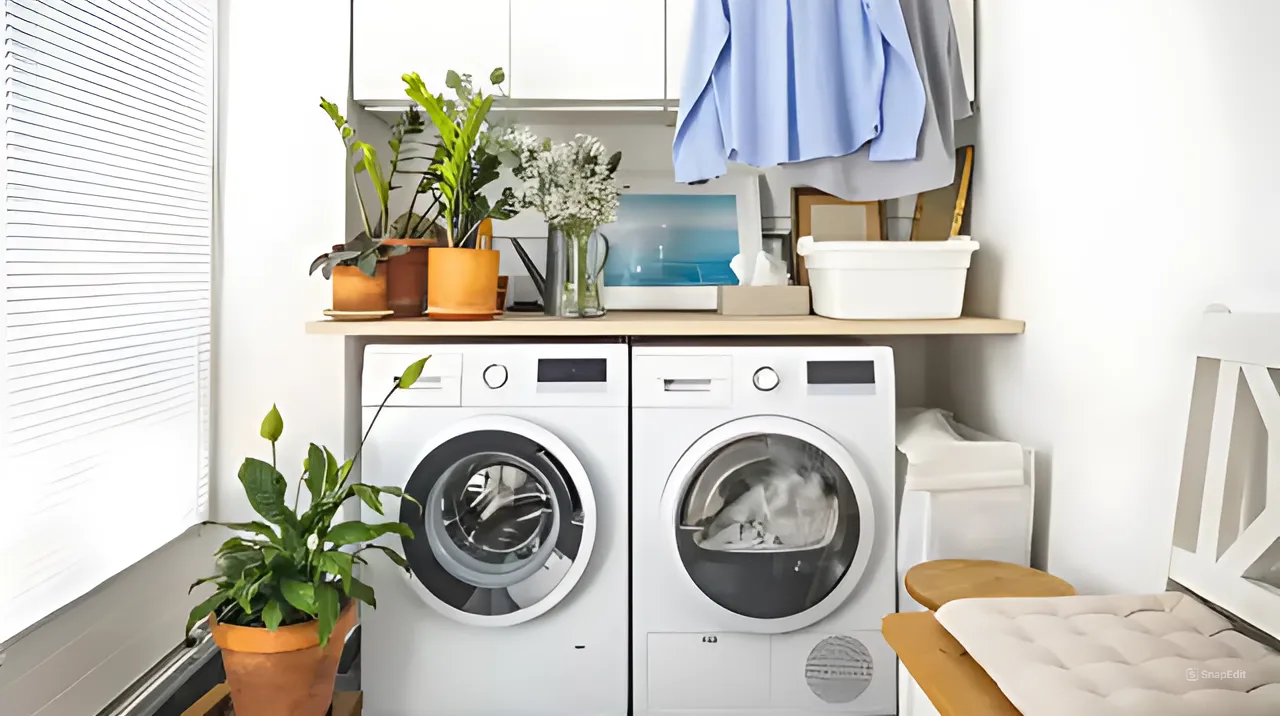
(672, 240)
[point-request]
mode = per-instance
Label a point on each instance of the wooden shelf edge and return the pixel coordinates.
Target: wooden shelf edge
(672, 324)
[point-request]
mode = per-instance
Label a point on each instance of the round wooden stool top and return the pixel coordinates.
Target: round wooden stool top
(936, 583)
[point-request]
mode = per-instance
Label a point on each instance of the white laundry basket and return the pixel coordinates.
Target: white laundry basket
(887, 279)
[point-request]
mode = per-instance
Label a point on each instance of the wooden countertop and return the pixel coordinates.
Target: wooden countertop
(663, 323)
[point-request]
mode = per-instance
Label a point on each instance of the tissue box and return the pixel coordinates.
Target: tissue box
(762, 300)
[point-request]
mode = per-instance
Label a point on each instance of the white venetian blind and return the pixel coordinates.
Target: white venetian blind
(108, 224)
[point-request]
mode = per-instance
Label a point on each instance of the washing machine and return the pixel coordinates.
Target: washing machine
(516, 600)
(763, 530)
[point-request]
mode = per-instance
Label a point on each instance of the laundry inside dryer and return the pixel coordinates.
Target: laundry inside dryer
(773, 510)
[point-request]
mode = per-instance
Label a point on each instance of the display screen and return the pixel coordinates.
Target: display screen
(573, 370)
(841, 372)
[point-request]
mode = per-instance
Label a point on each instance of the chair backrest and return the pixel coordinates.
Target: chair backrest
(1226, 539)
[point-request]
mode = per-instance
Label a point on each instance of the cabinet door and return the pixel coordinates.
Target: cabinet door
(430, 37)
(587, 49)
(679, 29)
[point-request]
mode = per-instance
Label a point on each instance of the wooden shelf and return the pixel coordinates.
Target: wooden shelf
(663, 323)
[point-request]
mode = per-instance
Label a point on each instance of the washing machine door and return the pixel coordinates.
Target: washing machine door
(506, 524)
(770, 518)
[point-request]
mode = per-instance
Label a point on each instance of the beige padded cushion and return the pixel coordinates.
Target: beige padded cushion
(1116, 656)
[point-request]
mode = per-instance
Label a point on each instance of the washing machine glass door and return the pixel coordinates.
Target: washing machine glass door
(506, 524)
(771, 520)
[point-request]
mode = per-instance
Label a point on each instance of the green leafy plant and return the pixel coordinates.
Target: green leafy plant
(411, 156)
(291, 568)
(467, 156)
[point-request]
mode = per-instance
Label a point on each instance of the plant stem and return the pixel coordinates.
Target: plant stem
(369, 429)
(273, 453)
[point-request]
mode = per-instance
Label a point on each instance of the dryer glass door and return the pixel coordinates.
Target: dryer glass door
(772, 520)
(502, 527)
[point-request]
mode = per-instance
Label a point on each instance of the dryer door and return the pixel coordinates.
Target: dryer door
(771, 520)
(507, 521)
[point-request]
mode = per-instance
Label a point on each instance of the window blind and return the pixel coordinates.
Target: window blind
(108, 224)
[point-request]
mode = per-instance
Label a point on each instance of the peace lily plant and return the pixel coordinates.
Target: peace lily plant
(293, 569)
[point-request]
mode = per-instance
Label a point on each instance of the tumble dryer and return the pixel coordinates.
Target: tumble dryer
(516, 601)
(763, 525)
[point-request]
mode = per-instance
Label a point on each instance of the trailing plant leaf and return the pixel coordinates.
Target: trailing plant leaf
(327, 608)
(401, 562)
(260, 528)
(369, 497)
(360, 590)
(207, 607)
(302, 595)
(354, 532)
(265, 488)
(412, 373)
(497, 77)
(331, 471)
(337, 563)
(317, 471)
(368, 264)
(272, 425)
(271, 615)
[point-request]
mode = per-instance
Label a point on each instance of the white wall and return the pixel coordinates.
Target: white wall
(284, 203)
(1128, 169)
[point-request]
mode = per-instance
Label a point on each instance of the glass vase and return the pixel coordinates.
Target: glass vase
(584, 251)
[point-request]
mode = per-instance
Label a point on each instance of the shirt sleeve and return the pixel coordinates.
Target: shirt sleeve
(902, 104)
(698, 151)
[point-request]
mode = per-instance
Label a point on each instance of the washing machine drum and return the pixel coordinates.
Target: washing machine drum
(500, 528)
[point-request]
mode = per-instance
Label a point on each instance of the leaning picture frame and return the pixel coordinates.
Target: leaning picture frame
(671, 246)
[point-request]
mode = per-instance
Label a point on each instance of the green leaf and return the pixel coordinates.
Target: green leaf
(331, 109)
(369, 497)
(302, 595)
(416, 89)
(369, 161)
(327, 608)
(337, 563)
(360, 590)
(354, 532)
(272, 615)
(497, 77)
(205, 608)
(368, 264)
(272, 425)
(233, 565)
(331, 471)
(344, 471)
(256, 527)
(413, 372)
(452, 80)
(265, 488)
(317, 471)
(203, 580)
(401, 562)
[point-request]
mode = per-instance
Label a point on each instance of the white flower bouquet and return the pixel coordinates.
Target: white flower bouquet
(573, 185)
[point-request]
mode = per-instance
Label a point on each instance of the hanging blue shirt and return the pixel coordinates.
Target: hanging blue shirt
(774, 81)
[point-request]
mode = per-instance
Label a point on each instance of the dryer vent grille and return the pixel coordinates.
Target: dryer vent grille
(838, 669)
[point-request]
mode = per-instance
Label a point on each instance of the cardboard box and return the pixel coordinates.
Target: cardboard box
(762, 300)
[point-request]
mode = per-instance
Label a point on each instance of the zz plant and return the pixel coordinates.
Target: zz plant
(291, 568)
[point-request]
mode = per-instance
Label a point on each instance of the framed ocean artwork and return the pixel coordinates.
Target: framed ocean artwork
(671, 245)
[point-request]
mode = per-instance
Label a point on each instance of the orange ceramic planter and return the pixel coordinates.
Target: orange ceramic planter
(285, 671)
(354, 291)
(462, 284)
(407, 277)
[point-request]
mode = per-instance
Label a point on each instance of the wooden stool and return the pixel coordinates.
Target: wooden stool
(936, 583)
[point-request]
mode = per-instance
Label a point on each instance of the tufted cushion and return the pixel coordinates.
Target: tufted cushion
(1116, 656)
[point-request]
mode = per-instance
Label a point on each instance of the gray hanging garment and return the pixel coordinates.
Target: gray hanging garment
(854, 177)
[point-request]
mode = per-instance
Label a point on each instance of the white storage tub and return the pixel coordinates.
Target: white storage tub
(887, 279)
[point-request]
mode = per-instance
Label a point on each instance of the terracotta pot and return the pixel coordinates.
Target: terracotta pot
(462, 284)
(407, 278)
(285, 671)
(354, 291)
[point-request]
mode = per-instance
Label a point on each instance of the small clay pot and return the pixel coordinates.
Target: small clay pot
(462, 284)
(285, 671)
(353, 291)
(407, 278)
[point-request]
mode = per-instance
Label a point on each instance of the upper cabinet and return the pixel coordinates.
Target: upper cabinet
(679, 29)
(587, 49)
(388, 40)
